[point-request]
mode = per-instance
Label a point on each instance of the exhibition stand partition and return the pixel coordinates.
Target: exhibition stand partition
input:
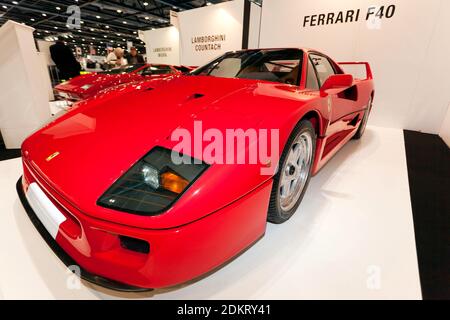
(445, 129)
(407, 51)
(200, 35)
(24, 102)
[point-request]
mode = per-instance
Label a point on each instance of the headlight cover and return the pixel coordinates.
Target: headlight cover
(153, 184)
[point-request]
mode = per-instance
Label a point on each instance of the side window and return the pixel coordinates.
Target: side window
(323, 67)
(311, 78)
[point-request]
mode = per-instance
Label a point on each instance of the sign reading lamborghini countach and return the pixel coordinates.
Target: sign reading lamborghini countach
(206, 43)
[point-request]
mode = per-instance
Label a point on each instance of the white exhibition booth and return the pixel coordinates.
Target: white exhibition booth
(24, 82)
(407, 52)
(200, 35)
(349, 232)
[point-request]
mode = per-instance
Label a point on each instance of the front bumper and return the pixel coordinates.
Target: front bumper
(65, 258)
(176, 255)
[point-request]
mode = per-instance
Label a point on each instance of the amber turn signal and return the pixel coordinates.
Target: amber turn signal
(172, 182)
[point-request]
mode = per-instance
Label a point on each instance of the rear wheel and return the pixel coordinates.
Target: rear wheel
(292, 178)
(365, 119)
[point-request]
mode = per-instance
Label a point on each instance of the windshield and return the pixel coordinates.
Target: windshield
(271, 65)
(123, 69)
(156, 69)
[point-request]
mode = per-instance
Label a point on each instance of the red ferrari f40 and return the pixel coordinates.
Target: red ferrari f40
(104, 185)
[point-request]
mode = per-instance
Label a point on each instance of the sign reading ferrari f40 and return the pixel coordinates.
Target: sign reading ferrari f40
(349, 16)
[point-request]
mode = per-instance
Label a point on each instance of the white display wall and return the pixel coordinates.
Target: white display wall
(163, 45)
(445, 128)
(24, 97)
(408, 49)
(210, 31)
(254, 26)
(46, 61)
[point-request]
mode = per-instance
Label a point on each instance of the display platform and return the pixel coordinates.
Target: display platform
(352, 238)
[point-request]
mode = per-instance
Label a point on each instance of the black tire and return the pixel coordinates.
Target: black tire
(363, 123)
(275, 213)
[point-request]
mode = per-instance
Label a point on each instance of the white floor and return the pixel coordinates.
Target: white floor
(352, 237)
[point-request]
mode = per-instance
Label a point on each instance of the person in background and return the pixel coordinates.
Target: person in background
(116, 58)
(134, 57)
(64, 60)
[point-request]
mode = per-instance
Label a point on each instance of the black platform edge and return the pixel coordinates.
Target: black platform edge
(428, 159)
(6, 154)
(64, 257)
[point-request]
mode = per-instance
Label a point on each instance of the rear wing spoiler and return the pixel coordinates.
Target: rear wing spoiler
(369, 75)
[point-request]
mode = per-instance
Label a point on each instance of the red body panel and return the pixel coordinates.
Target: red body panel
(98, 81)
(101, 138)
(176, 254)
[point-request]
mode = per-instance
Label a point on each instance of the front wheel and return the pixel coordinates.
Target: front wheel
(292, 178)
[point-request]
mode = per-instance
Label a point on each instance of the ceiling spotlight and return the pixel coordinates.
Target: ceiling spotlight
(98, 17)
(56, 28)
(124, 22)
(4, 7)
(119, 11)
(32, 19)
(147, 18)
(58, 8)
(107, 27)
(44, 14)
(15, 2)
(208, 3)
(145, 3)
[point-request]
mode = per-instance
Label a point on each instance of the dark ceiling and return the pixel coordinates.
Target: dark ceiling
(103, 22)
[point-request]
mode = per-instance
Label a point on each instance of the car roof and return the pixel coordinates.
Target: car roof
(304, 49)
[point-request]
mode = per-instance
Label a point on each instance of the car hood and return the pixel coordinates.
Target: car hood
(100, 139)
(95, 81)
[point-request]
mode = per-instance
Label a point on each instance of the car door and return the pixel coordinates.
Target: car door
(340, 110)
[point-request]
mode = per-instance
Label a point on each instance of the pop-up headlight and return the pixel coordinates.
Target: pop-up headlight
(153, 184)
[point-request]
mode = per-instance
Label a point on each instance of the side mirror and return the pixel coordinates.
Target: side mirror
(336, 83)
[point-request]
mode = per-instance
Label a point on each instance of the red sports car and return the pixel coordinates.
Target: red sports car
(86, 86)
(105, 186)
